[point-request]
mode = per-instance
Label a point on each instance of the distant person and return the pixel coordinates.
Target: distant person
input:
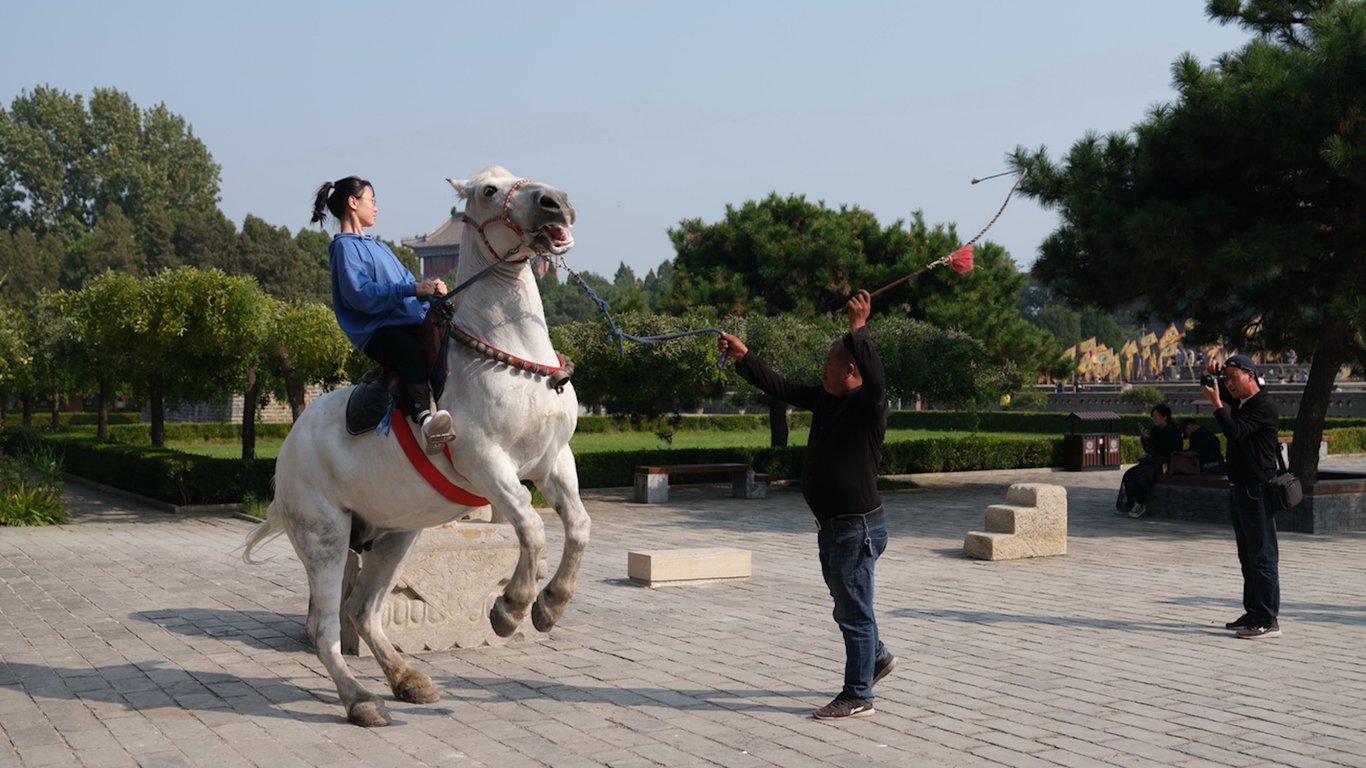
(839, 481)
(1206, 444)
(379, 304)
(1158, 444)
(1251, 426)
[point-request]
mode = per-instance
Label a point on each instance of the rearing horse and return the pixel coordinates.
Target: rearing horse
(511, 424)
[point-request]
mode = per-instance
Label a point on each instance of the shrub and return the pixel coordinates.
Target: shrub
(24, 501)
(1143, 398)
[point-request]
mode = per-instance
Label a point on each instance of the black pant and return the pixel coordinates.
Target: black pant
(1138, 482)
(1254, 527)
(397, 347)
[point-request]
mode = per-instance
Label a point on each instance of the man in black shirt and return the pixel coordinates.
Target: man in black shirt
(1250, 426)
(839, 481)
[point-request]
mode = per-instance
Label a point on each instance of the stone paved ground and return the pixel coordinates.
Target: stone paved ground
(133, 637)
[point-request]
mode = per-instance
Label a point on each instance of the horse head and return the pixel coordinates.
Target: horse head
(516, 217)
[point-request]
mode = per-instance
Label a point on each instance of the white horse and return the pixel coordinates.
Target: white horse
(334, 491)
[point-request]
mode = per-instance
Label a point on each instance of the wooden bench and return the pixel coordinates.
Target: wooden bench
(652, 482)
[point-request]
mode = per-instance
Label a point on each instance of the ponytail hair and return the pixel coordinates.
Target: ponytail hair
(332, 197)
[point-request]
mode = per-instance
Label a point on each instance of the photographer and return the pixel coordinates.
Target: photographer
(1250, 426)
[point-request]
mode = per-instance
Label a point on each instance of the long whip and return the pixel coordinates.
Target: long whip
(960, 260)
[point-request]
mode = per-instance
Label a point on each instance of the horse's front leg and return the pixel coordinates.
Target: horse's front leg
(512, 503)
(561, 489)
(381, 568)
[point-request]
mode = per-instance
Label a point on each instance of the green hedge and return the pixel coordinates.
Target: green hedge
(720, 422)
(163, 474)
(141, 434)
(182, 478)
(41, 419)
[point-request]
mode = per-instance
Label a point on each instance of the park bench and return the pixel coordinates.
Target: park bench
(652, 481)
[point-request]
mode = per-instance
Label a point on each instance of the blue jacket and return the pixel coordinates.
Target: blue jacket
(370, 288)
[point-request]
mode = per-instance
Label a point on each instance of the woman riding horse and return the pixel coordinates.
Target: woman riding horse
(379, 304)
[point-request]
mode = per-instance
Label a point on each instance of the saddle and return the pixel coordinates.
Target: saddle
(370, 401)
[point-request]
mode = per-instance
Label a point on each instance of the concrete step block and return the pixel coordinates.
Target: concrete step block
(660, 567)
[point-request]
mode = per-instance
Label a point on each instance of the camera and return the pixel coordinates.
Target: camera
(1212, 380)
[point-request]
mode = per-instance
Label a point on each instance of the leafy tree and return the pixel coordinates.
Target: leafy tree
(15, 357)
(196, 332)
(792, 346)
(275, 258)
(1063, 322)
(305, 346)
(109, 246)
(786, 255)
(930, 363)
(566, 302)
(30, 265)
(1239, 205)
(64, 162)
(46, 338)
(99, 316)
(644, 380)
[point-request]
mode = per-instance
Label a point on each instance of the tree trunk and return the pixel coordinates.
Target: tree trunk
(106, 392)
(1304, 452)
(249, 414)
(56, 411)
(26, 408)
(156, 398)
(295, 391)
(4, 409)
(777, 423)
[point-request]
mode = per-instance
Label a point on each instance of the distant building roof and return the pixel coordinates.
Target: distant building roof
(447, 235)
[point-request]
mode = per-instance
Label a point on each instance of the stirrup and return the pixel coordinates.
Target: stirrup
(436, 431)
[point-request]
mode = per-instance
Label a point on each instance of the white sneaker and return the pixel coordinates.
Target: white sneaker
(436, 431)
(1138, 511)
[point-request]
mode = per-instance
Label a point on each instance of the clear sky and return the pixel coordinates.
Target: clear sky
(645, 113)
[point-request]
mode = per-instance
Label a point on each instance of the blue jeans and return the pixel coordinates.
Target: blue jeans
(1254, 527)
(848, 555)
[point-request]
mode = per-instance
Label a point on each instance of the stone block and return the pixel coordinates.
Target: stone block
(660, 567)
(750, 485)
(651, 489)
(450, 580)
(1033, 523)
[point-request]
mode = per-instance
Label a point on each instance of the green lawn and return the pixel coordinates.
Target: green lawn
(609, 441)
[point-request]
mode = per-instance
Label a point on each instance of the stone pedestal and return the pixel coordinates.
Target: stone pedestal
(449, 583)
(1033, 523)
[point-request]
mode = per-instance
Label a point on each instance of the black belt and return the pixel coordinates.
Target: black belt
(840, 522)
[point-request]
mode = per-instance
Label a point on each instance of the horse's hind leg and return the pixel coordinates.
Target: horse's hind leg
(320, 541)
(380, 569)
(561, 489)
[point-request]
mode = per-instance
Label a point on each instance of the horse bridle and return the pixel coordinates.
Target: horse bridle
(498, 261)
(506, 218)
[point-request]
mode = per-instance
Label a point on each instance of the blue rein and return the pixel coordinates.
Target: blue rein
(620, 335)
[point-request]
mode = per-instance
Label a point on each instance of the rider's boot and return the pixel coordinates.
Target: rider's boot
(436, 430)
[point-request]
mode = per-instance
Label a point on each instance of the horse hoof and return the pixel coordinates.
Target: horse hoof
(503, 623)
(368, 713)
(416, 688)
(542, 618)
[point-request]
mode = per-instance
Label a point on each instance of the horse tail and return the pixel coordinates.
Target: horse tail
(264, 531)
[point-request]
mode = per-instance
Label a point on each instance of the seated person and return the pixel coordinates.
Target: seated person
(1205, 443)
(1158, 445)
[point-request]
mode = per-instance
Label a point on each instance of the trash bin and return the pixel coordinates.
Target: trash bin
(1086, 446)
